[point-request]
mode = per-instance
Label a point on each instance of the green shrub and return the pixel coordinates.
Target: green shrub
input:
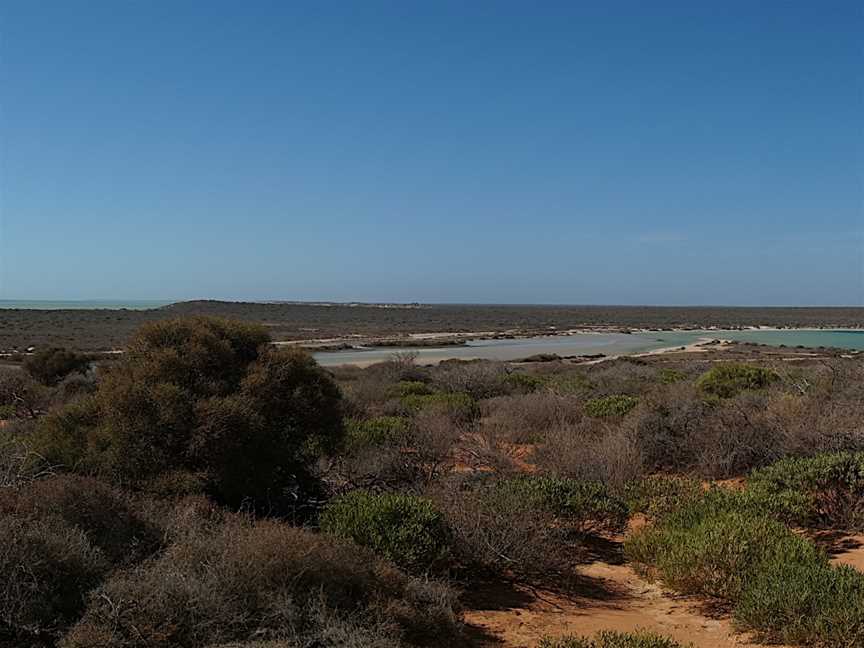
(729, 379)
(524, 382)
(777, 583)
(611, 639)
(660, 495)
(825, 490)
(459, 405)
(810, 604)
(405, 529)
(410, 388)
(610, 406)
(375, 432)
(586, 507)
(569, 383)
(671, 376)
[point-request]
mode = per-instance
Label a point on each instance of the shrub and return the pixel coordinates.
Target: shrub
(525, 418)
(204, 396)
(410, 388)
(477, 379)
(109, 519)
(729, 379)
(458, 405)
(610, 406)
(241, 579)
(586, 507)
(612, 639)
(46, 569)
(374, 432)
(524, 382)
(777, 583)
(21, 396)
(50, 366)
(405, 529)
(669, 376)
(659, 495)
(826, 490)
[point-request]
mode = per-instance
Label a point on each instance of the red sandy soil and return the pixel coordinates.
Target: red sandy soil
(611, 596)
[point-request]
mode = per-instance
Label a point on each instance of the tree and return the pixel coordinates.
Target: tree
(208, 396)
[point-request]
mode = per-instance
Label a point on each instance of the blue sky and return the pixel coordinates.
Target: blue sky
(551, 152)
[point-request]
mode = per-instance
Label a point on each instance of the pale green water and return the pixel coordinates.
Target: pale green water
(43, 304)
(590, 343)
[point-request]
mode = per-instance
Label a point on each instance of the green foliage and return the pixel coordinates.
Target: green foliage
(777, 583)
(405, 529)
(669, 376)
(617, 405)
(569, 383)
(410, 388)
(585, 506)
(202, 396)
(611, 639)
(459, 405)
(374, 432)
(729, 379)
(659, 495)
(825, 490)
(524, 382)
(50, 366)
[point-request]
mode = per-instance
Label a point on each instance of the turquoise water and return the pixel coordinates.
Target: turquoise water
(44, 304)
(590, 343)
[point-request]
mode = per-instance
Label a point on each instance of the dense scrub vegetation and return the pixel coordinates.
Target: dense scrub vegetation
(210, 489)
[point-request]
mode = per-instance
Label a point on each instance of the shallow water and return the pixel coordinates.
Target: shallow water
(590, 343)
(45, 304)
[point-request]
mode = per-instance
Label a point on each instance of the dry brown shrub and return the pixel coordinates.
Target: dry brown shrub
(526, 418)
(266, 580)
(478, 379)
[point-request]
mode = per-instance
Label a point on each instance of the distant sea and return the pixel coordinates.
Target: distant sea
(108, 304)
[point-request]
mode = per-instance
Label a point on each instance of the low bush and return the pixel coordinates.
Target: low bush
(777, 583)
(47, 567)
(404, 529)
(612, 639)
(242, 579)
(617, 405)
(659, 495)
(585, 507)
(524, 382)
(729, 379)
(409, 388)
(50, 366)
(374, 432)
(458, 405)
(824, 491)
(669, 376)
(108, 518)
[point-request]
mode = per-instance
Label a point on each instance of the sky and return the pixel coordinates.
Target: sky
(448, 151)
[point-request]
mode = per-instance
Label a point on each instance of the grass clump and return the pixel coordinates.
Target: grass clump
(608, 406)
(822, 491)
(405, 529)
(775, 582)
(612, 639)
(729, 379)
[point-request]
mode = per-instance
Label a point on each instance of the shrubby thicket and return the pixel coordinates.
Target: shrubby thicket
(207, 488)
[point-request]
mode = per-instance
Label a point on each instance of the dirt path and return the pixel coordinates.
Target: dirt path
(611, 596)
(615, 599)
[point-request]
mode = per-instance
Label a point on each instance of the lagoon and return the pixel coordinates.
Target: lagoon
(609, 344)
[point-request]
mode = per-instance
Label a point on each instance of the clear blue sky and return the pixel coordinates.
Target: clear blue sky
(565, 152)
